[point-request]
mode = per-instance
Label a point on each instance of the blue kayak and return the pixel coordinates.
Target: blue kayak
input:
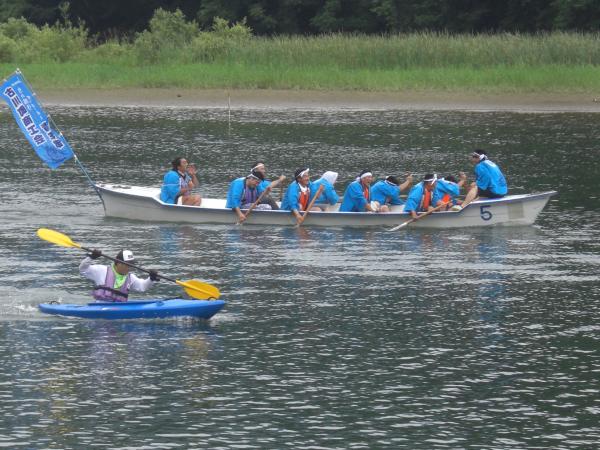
(145, 309)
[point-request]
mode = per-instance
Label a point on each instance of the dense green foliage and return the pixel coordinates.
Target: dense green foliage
(176, 52)
(112, 18)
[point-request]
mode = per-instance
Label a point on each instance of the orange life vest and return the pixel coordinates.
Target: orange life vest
(426, 200)
(303, 200)
(366, 192)
(446, 198)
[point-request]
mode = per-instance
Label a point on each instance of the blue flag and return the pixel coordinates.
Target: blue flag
(50, 145)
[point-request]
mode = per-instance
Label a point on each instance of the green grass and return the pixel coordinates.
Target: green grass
(504, 63)
(496, 80)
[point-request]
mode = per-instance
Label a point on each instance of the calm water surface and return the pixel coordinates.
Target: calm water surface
(331, 338)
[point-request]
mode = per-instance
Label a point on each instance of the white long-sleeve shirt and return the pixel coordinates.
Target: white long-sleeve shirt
(97, 273)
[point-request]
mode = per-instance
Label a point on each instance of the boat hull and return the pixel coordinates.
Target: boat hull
(146, 309)
(141, 203)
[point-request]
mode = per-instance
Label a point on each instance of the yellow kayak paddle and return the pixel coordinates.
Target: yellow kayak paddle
(194, 288)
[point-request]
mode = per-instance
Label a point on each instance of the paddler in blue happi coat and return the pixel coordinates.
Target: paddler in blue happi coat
(328, 196)
(298, 194)
(259, 166)
(243, 192)
(357, 197)
(489, 180)
(447, 190)
(113, 283)
(179, 182)
(420, 197)
(387, 191)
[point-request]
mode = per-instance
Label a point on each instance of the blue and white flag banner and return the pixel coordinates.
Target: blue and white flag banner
(50, 145)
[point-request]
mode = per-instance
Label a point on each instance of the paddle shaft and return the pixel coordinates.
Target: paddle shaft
(129, 264)
(414, 219)
(312, 202)
(263, 193)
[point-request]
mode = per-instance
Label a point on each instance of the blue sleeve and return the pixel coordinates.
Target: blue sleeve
(484, 181)
(414, 199)
(328, 195)
(263, 185)
(291, 197)
(444, 187)
(354, 199)
(394, 195)
(170, 187)
(234, 196)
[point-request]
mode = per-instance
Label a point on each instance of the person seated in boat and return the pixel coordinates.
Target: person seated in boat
(447, 190)
(244, 191)
(297, 195)
(328, 196)
(386, 192)
(420, 197)
(357, 197)
(179, 182)
(259, 166)
(113, 283)
(489, 180)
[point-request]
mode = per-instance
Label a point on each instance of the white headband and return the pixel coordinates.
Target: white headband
(253, 176)
(258, 166)
(366, 174)
(431, 180)
(304, 172)
(481, 157)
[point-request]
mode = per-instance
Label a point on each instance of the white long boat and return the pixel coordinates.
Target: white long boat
(143, 203)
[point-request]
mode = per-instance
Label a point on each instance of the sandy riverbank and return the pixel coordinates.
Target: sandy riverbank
(317, 100)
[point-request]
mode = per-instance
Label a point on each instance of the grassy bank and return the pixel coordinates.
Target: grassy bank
(496, 80)
(175, 53)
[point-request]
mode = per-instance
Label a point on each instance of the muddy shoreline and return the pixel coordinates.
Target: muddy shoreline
(320, 100)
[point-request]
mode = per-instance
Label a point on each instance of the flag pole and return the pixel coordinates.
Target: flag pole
(85, 172)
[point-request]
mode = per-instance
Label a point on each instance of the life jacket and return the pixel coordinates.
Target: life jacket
(446, 198)
(108, 293)
(303, 200)
(426, 202)
(366, 192)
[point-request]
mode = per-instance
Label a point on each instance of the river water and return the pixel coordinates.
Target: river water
(331, 338)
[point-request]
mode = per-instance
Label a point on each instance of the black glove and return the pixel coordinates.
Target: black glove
(95, 254)
(153, 275)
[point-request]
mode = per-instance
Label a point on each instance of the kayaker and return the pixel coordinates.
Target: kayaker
(387, 191)
(114, 282)
(179, 182)
(447, 190)
(259, 166)
(489, 180)
(244, 191)
(297, 195)
(357, 197)
(420, 197)
(328, 196)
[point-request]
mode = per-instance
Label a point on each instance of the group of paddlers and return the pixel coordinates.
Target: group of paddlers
(361, 195)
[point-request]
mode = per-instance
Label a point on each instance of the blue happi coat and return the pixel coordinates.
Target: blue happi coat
(173, 181)
(383, 193)
(291, 198)
(489, 176)
(236, 192)
(354, 198)
(328, 195)
(445, 187)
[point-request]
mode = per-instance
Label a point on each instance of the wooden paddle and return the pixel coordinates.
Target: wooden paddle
(262, 194)
(194, 288)
(310, 205)
(414, 219)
